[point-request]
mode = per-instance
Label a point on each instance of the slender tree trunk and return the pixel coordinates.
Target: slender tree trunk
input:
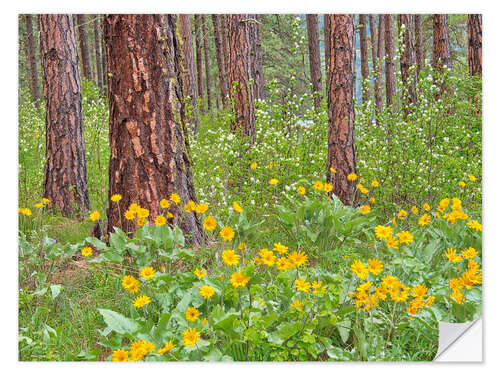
(207, 63)
(240, 72)
(199, 57)
(314, 58)
(373, 40)
(190, 81)
(390, 72)
(258, 63)
(65, 175)
(219, 52)
(97, 45)
(364, 57)
(104, 59)
(225, 45)
(408, 59)
(327, 30)
(149, 152)
(340, 85)
(419, 43)
(84, 45)
(379, 71)
(441, 42)
(475, 44)
(31, 57)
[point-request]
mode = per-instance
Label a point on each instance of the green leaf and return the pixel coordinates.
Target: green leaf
(222, 320)
(118, 323)
(117, 242)
(344, 329)
(55, 289)
(98, 244)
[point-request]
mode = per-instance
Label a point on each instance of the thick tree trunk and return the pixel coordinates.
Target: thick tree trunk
(314, 58)
(390, 72)
(189, 77)
(364, 57)
(199, 57)
(441, 42)
(419, 43)
(65, 175)
(475, 44)
(240, 72)
(207, 62)
(84, 46)
(408, 59)
(340, 85)
(97, 46)
(31, 57)
(219, 52)
(149, 152)
(379, 71)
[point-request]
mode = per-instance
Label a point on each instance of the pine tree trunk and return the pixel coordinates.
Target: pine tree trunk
(149, 152)
(373, 45)
(104, 59)
(364, 57)
(314, 58)
(373, 40)
(258, 63)
(340, 85)
(31, 57)
(84, 46)
(207, 62)
(475, 44)
(327, 30)
(441, 43)
(379, 71)
(97, 46)
(65, 175)
(390, 72)
(408, 59)
(219, 52)
(199, 58)
(225, 45)
(419, 44)
(189, 77)
(240, 71)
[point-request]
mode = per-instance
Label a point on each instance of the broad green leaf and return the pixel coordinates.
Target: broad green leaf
(118, 323)
(55, 289)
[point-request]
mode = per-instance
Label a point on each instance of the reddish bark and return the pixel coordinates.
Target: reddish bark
(65, 175)
(475, 44)
(149, 151)
(419, 44)
(314, 58)
(441, 42)
(240, 72)
(340, 85)
(219, 51)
